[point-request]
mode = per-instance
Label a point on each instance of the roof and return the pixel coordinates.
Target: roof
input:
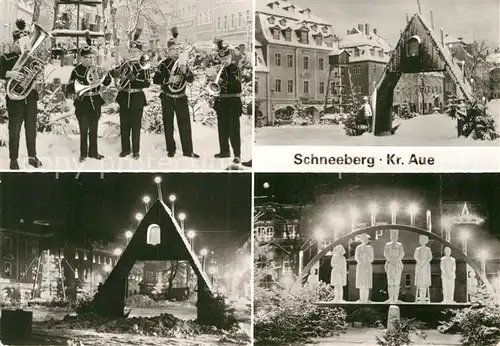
(366, 44)
(285, 16)
(260, 62)
(493, 58)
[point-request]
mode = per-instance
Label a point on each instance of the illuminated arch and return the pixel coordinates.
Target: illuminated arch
(460, 254)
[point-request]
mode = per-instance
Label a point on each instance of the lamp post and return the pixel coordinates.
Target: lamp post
(191, 234)
(158, 185)
(128, 236)
(172, 198)
(394, 211)
(412, 210)
(429, 220)
(182, 217)
(483, 257)
(464, 236)
(146, 200)
(372, 208)
(203, 253)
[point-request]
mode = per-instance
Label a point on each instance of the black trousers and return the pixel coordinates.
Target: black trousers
(88, 120)
(228, 124)
(130, 122)
(22, 111)
(180, 107)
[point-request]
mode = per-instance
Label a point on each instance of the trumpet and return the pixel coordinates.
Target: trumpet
(214, 87)
(95, 78)
(126, 70)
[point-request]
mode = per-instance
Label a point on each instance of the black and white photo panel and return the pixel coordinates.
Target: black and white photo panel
(377, 73)
(376, 259)
(126, 85)
(125, 259)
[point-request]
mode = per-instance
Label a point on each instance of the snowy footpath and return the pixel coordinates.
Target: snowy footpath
(423, 130)
(58, 152)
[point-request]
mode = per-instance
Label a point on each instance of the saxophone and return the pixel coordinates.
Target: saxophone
(29, 66)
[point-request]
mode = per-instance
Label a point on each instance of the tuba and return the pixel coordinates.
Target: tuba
(30, 66)
(122, 81)
(95, 77)
(214, 87)
(181, 61)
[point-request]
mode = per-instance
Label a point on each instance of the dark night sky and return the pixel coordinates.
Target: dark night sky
(218, 206)
(474, 187)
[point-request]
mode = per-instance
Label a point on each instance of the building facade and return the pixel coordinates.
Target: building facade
(11, 10)
(295, 47)
(424, 93)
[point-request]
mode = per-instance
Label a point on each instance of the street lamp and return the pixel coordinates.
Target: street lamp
(172, 198)
(117, 252)
(412, 210)
(191, 234)
(266, 185)
(354, 217)
(182, 217)
(146, 200)
(394, 211)
(483, 257)
(158, 184)
(203, 253)
(139, 217)
(212, 272)
(464, 236)
(372, 208)
(128, 236)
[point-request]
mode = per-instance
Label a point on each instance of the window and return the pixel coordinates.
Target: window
(290, 86)
(356, 52)
(240, 19)
(407, 280)
(356, 70)
(225, 22)
(319, 40)
(381, 53)
(342, 71)
(372, 52)
(277, 59)
(22, 270)
(34, 248)
(218, 23)
(321, 88)
(289, 60)
(306, 87)
(233, 21)
(8, 244)
(24, 247)
(288, 35)
(304, 37)
(249, 15)
(276, 34)
(7, 269)
(306, 62)
(287, 267)
(209, 16)
(270, 229)
(321, 63)
(256, 87)
(200, 18)
(277, 85)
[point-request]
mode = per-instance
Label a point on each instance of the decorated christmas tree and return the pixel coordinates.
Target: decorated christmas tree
(50, 277)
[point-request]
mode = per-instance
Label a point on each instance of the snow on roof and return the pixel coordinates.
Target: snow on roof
(260, 63)
(284, 16)
(493, 58)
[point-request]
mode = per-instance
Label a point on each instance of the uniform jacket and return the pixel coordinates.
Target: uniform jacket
(79, 74)
(7, 62)
(162, 76)
(136, 99)
(230, 84)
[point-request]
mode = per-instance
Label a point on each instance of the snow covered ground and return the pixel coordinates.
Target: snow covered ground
(423, 130)
(58, 152)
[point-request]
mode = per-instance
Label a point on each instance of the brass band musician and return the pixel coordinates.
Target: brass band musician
(88, 104)
(132, 98)
(228, 105)
(173, 77)
(20, 111)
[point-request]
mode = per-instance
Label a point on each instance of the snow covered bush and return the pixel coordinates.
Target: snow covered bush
(400, 335)
(473, 121)
(479, 324)
(354, 124)
(285, 317)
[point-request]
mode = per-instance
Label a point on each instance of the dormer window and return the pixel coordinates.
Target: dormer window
(356, 52)
(290, 8)
(325, 29)
(288, 35)
(276, 33)
(304, 37)
(314, 27)
(372, 52)
(306, 12)
(319, 39)
(381, 53)
(283, 22)
(271, 20)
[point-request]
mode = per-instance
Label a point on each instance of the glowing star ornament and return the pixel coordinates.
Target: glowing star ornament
(466, 218)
